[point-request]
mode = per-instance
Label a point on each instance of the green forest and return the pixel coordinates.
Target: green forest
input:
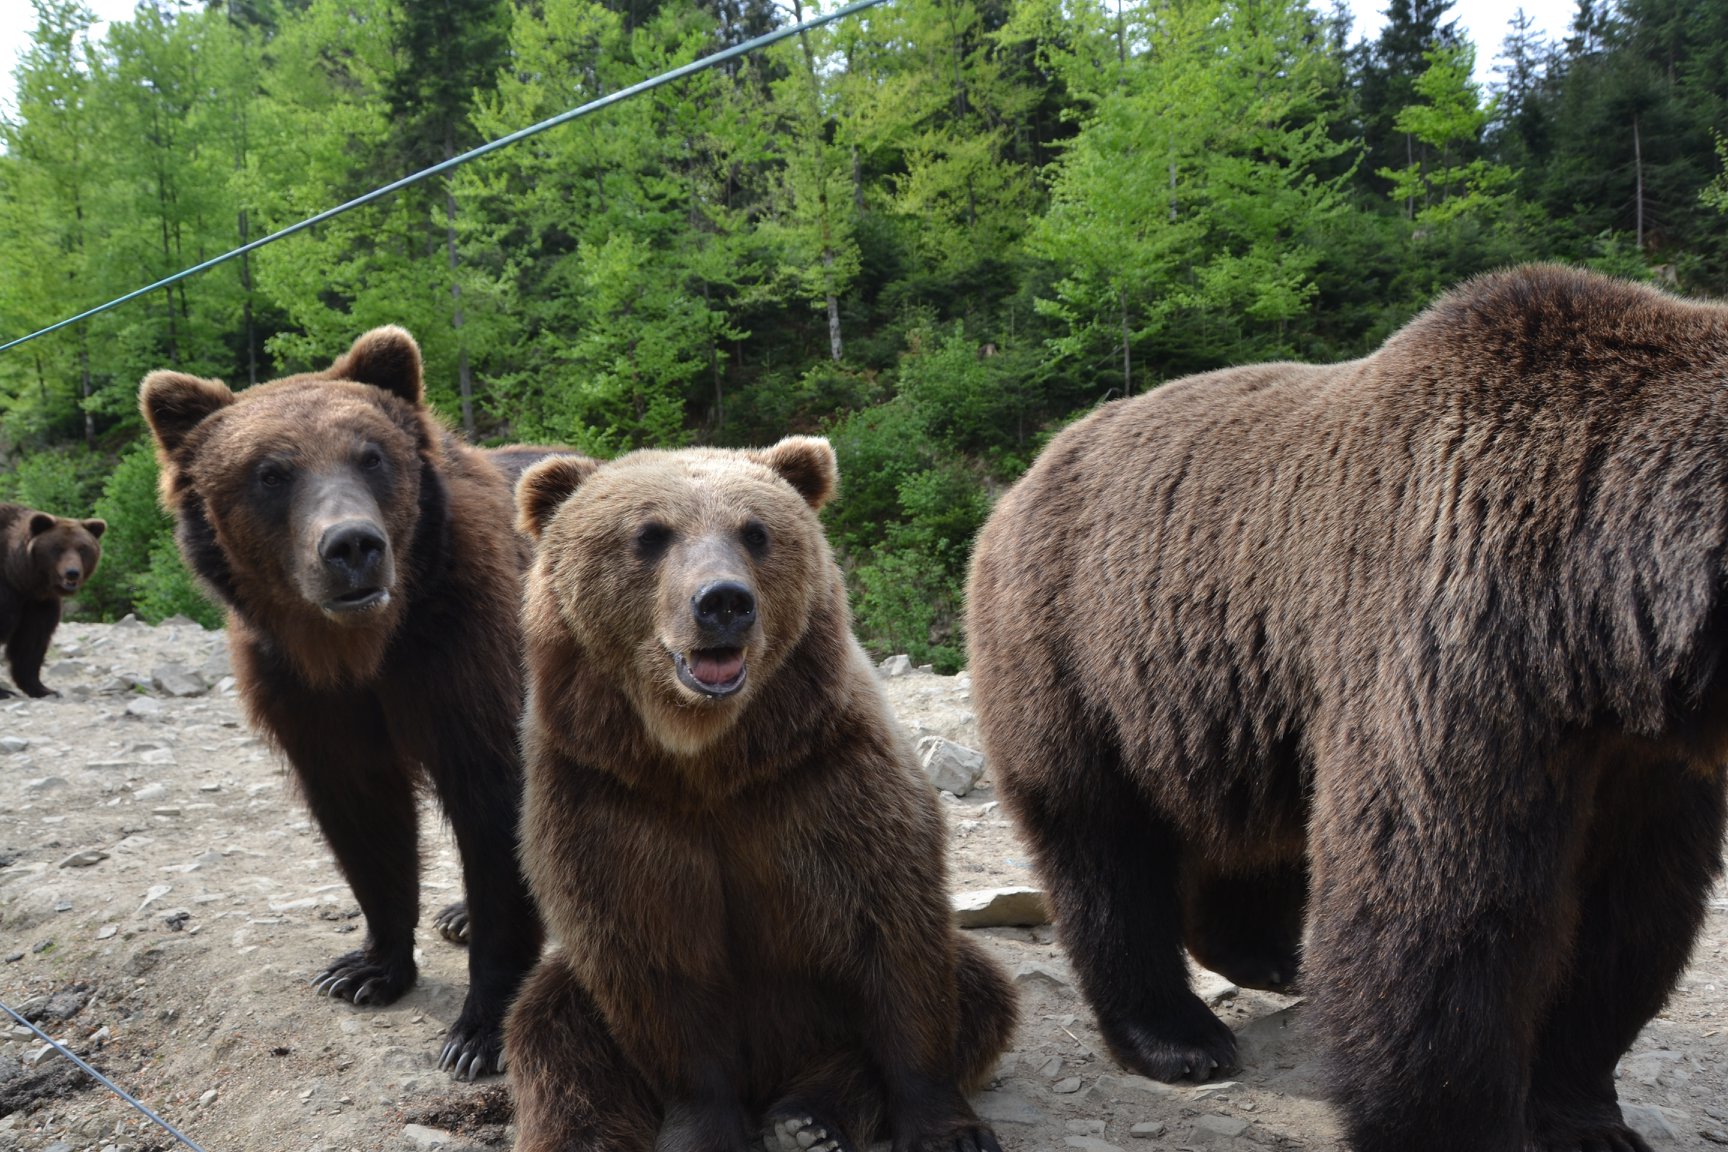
(933, 232)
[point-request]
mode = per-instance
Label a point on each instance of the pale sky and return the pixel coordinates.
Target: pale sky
(1484, 22)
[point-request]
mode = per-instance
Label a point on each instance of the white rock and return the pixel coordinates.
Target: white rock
(84, 858)
(420, 1136)
(1000, 908)
(144, 708)
(894, 666)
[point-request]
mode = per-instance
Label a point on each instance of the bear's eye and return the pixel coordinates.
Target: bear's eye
(272, 475)
(755, 537)
(652, 538)
(371, 460)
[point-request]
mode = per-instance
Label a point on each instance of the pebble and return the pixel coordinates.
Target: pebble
(1090, 1144)
(894, 666)
(11, 744)
(144, 708)
(421, 1136)
(1032, 972)
(1212, 1124)
(1066, 1086)
(1147, 1129)
(208, 1098)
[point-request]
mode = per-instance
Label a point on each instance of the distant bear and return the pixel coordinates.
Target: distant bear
(372, 576)
(46, 559)
(727, 833)
(1444, 626)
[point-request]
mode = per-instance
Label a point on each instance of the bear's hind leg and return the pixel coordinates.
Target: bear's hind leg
(1246, 928)
(573, 1087)
(1653, 854)
(452, 922)
(1111, 865)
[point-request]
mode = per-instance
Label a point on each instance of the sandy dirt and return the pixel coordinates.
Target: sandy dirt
(164, 900)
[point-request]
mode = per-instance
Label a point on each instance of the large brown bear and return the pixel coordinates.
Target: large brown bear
(43, 559)
(1444, 626)
(372, 575)
(727, 833)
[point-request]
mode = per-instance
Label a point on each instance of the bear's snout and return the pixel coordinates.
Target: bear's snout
(724, 611)
(71, 576)
(355, 556)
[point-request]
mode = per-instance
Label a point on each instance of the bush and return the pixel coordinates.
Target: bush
(141, 569)
(166, 588)
(63, 481)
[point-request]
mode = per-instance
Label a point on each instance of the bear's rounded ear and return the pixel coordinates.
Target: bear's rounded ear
(40, 522)
(807, 463)
(96, 527)
(175, 403)
(386, 358)
(545, 486)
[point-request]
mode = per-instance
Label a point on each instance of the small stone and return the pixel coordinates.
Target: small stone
(150, 792)
(1656, 1124)
(1714, 1135)
(1213, 989)
(1147, 1129)
(1212, 1125)
(84, 858)
(1133, 1089)
(1000, 908)
(46, 784)
(420, 1136)
(1086, 1127)
(107, 931)
(1067, 1086)
(1006, 1107)
(1050, 1068)
(208, 1098)
(178, 680)
(166, 810)
(952, 767)
(894, 666)
(1032, 972)
(144, 708)
(11, 744)
(1090, 1144)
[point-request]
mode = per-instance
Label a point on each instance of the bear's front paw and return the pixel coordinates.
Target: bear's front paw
(452, 922)
(473, 1050)
(791, 1127)
(362, 978)
(1188, 1042)
(1577, 1120)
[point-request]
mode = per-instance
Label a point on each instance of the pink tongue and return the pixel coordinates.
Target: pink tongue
(717, 665)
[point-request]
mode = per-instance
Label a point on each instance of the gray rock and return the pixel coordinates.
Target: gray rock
(1214, 1127)
(1066, 1086)
(1033, 972)
(1147, 1129)
(46, 784)
(1086, 1127)
(894, 666)
(216, 665)
(1006, 1107)
(1133, 1090)
(1090, 1144)
(1000, 908)
(951, 767)
(84, 858)
(11, 744)
(1661, 1127)
(144, 708)
(179, 681)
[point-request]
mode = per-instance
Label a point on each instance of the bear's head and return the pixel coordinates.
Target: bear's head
(691, 573)
(59, 554)
(298, 500)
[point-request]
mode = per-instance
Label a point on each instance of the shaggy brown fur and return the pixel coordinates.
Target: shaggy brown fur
(1444, 625)
(372, 576)
(727, 832)
(43, 559)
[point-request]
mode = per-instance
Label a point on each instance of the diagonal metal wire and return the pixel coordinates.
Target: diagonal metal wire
(112, 1087)
(472, 154)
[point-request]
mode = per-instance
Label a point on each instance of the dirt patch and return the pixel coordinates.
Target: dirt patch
(159, 868)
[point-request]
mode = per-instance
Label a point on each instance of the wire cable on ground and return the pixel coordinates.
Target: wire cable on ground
(472, 154)
(113, 1087)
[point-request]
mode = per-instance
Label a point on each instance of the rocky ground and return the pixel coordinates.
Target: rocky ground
(164, 900)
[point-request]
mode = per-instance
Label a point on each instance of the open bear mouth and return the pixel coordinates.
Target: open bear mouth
(358, 600)
(714, 672)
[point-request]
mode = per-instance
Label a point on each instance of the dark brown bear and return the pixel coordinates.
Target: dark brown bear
(1444, 626)
(728, 833)
(46, 559)
(372, 577)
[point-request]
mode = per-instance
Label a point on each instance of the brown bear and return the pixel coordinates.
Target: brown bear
(46, 559)
(372, 575)
(1433, 638)
(727, 833)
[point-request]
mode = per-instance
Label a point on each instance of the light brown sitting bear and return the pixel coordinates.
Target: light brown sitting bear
(43, 560)
(1434, 639)
(728, 833)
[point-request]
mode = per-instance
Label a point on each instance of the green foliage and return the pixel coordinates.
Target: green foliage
(937, 230)
(166, 588)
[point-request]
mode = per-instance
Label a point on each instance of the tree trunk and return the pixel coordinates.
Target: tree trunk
(1638, 169)
(1127, 363)
(84, 388)
(246, 303)
(464, 382)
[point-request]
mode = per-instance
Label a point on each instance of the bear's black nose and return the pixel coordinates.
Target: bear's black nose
(724, 608)
(352, 549)
(72, 574)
